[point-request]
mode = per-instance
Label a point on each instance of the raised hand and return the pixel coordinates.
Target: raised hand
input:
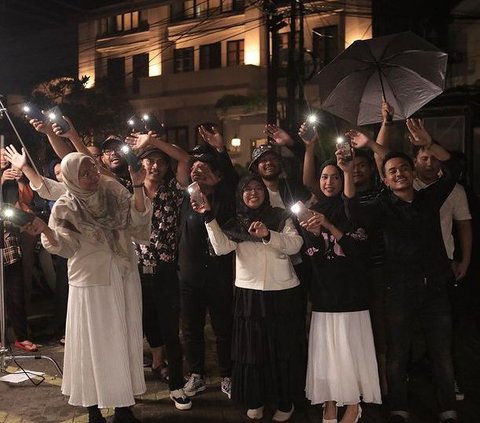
(35, 227)
(41, 126)
(212, 138)
(140, 141)
(278, 135)
(387, 111)
(202, 207)
(14, 157)
(315, 223)
(418, 134)
(138, 176)
(345, 165)
(258, 229)
(70, 133)
(358, 139)
(307, 134)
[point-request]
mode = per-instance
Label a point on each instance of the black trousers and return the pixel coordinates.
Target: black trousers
(15, 299)
(216, 296)
(161, 314)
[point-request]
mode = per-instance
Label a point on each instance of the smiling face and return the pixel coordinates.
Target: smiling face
(398, 174)
(330, 181)
(253, 194)
(269, 166)
(113, 159)
(88, 176)
(156, 166)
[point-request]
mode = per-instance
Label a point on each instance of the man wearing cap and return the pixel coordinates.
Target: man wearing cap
(114, 160)
(157, 261)
(206, 280)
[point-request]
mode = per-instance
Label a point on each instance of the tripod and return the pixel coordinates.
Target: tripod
(5, 354)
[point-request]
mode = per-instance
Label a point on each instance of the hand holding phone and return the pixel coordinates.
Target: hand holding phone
(31, 111)
(151, 123)
(301, 211)
(344, 145)
(195, 193)
(56, 116)
(131, 158)
(15, 215)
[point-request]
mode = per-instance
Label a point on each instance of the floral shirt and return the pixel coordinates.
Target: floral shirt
(163, 240)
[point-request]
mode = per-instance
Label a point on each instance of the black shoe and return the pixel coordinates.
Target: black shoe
(124, 415)
(397, 419)
(94, 415)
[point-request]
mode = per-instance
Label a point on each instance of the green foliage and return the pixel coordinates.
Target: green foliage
(251, 102)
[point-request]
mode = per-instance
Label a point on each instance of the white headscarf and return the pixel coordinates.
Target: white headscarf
(107, 208)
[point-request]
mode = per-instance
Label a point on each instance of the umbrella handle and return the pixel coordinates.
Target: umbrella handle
(384, 97)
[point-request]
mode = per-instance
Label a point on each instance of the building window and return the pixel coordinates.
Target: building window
(325, 44)
(195, 8)
(183, 60)
(120, 23)
(178, 135)
(116, 73)
(140, 69)
(235, 53)
(210, 56)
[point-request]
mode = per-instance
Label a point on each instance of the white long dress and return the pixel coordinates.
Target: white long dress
(103, 362)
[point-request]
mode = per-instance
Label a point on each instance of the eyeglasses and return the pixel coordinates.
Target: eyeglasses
(253, 189)
(109, 151)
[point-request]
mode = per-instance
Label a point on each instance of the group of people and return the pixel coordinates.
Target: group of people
(367, 255)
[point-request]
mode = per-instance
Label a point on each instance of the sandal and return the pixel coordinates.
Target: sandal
(161, 372)
(26, 346)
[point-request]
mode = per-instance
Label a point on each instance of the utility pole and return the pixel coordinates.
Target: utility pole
(272, 60)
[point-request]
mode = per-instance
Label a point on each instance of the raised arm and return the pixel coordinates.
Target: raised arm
(309, 174)
(419, 136)
(58, 143)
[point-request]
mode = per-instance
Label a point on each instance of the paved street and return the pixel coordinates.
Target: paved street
(27, 403)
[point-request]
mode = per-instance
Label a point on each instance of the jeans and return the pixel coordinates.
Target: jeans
(216, 295)
(424, 301)
(161, 314)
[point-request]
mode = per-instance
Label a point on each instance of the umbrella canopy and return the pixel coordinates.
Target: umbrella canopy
(407, 70)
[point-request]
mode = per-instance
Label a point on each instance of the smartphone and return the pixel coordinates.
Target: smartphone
(131, 158)
(195, 193)
(135, 124)
(310, 127)
(345, 146)
(300, 210)
(16, 216)
(56, 116)
(31, 111)
(151, 123)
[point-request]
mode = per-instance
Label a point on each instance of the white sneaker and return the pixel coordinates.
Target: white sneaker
(255, 413)
(283, 416)
(226, 386)
(181, 401)
(195, 384)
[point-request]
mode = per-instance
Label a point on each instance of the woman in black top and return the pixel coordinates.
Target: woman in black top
(341, 357)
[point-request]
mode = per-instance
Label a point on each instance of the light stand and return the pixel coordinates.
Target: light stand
(5, 354)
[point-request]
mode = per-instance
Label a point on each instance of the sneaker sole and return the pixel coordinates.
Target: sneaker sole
(459, 397)
(182, 407)
(193, 393)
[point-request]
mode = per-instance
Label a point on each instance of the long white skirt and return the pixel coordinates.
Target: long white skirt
(103, 361)
(342, 366)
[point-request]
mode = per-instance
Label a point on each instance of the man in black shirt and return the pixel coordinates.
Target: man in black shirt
(417, 271)
(206, 280)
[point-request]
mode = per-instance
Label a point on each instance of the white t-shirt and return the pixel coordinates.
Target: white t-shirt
(455, 207)
(275, 199)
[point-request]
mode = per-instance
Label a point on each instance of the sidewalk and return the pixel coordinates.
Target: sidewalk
(44, 403)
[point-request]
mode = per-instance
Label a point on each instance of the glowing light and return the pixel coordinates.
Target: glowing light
(236, 142)
(52, 116)
(8, 213)
(145, 117)
(26, 109)
(312, 119)
(125, 149)
(340, 140)
(295, 208)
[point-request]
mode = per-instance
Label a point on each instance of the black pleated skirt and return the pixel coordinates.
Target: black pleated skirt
(268, 347)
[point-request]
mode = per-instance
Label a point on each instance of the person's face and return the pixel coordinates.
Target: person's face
(3, 161)
(95, 152)
(362, 171)
(398, 174)
(88, 176)
(202, 173)
(427, 166)
(58, 172)
(113, 159)
(253, 195)
(330, 181)
(156, 166)
(269, 166)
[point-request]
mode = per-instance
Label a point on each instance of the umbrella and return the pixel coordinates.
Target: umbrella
(403, 68)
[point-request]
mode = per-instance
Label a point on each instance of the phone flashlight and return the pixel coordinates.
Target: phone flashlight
(301, 211)
(131, 158)
(345, 146)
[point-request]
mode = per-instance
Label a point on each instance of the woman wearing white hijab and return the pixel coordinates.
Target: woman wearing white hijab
(93, 225)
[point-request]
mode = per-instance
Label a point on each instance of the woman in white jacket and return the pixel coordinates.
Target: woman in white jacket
(268, 346)
(93, 225)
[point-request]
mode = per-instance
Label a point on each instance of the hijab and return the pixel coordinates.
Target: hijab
(273, 217)
(107, 209)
